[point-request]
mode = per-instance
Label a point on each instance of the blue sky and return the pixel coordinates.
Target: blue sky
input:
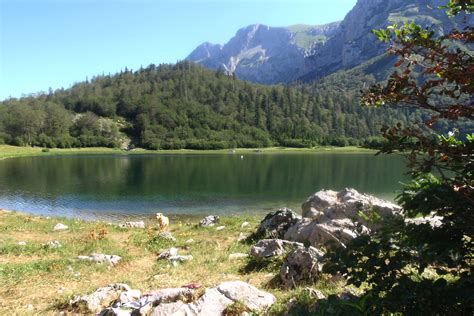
(54, 43)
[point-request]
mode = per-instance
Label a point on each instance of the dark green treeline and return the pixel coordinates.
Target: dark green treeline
(187, 106)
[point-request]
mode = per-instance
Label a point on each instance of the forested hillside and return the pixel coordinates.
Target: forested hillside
(187, 106)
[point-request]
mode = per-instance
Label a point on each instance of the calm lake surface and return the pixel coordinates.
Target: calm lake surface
(114, 186)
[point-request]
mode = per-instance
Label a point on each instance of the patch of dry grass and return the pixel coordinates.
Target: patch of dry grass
(46, 278)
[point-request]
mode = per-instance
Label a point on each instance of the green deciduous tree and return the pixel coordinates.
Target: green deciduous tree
(423, 268)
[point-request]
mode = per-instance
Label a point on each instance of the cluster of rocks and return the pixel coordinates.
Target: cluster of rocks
(52, 244)
(111, 260)
(172, 256)
(330, 219)
(209, 221)
(137, 224)
(120, 299)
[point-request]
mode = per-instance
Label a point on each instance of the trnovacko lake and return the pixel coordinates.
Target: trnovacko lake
(108, 186)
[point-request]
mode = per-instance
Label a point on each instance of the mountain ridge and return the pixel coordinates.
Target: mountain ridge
(274, 55)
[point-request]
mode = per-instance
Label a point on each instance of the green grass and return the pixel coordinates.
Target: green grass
(7, 151)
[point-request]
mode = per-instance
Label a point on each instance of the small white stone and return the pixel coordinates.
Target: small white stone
(60, 226)
(22, 243)
(241, 237)
(30, 307)
(220, 228)
(189, 241)
(245, 224)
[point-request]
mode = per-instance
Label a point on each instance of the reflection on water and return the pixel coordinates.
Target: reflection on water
(92, 186)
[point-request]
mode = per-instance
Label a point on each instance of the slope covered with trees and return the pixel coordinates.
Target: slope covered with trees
(187, 106)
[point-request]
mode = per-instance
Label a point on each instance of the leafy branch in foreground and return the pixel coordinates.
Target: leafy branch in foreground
(415, 265)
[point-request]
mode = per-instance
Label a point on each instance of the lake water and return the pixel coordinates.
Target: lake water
(113, 186)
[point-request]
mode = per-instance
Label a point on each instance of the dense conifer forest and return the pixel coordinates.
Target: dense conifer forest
(187, 106)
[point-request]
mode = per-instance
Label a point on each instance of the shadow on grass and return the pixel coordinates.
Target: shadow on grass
(267, 265)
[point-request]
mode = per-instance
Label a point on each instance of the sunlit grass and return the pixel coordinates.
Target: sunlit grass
(48, 277)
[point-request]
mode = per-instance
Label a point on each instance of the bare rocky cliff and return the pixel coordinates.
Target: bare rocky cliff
(264, 54)
(270, 55)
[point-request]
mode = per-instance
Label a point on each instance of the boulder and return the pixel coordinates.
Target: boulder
(275, 224)
(331, 233)
(95, 302)
(267, 248)
(139, 224)
(59, 227)
(249, 295)
(101, 258)
(208, 221)
(332, 218)
(300, 266)
(327, 204)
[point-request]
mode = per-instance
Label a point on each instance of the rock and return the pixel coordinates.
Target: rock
(59, 227)
(22, 243)
(179, 258)
(244, 224)
(169, 295)
(177, 308)
(317, 294)
(101, 258)
(139, 224)
(275, 224)
(168, 253)
(119, 299)
(241, 237)
(52, 244)
(166, 235)
(327, 205)
(220, 228)
(433, 221)
(300, 265)
(215, 300)
(210, 220)
(252, 297)
(97, 301)
(267, 248)
(189, 241)
(331, 233)
(348, 295)
(130, 296)
(238, 255)
(163, 221)
(332, 218)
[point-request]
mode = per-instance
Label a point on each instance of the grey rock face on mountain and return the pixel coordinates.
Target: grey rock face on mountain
(264, 54)
(353, 43)
(270, 55)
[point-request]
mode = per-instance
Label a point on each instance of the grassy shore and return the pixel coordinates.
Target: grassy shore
(7, 151)
(47, 278)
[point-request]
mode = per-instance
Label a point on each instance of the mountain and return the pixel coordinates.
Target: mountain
(272, 55)
(264, 54)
